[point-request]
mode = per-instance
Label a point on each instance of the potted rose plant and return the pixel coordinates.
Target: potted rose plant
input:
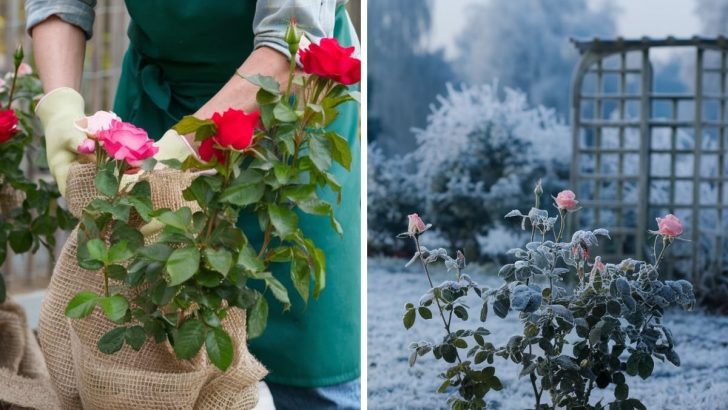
(167, 271)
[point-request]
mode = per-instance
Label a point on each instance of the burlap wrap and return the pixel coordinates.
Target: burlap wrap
(151, 378)
(10, 198)
(24, 380)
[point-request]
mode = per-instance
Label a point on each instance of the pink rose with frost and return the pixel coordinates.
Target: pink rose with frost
(598, 264)
(24, 69)
(124, 141)
(92, 125)
(416, 225)
(566, 200)
(88, 146)
(669, 226)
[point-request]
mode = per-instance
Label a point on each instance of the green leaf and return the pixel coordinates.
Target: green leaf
(219, 260)
(284, 113)
(81, 305)
(315, 206)
(182, 264)
(249, 259)
(257, 318)
(284, 220)
(156, 252)
(264, 97)
(265, 82)
(279, 291)
(97, 250)
(21, 240)
(621, 392)
(633, 364)
(646, 366)
(301, 277)
(501, 306)
(135, 337)
(219, 348)
(409, 318)
(114, 307)
(320, 152)
(119, 252)
(112, 341)
(189, 339)
(340, 151)
(243, 195)
(106, 181)
(189, 124)
(425, 313)
(179, 219)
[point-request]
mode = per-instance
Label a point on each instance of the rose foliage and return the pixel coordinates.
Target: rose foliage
(29, 211)
(179, 285)
(601, 334)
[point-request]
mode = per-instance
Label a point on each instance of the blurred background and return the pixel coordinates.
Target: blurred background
(471, 102)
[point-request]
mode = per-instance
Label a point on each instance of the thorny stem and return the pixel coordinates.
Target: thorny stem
(12, 86)
(437, 299)
(536, 392)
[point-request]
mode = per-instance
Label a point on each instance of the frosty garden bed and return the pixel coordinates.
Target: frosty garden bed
(702, 341)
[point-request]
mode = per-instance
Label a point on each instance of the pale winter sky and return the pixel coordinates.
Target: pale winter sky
(636, 18)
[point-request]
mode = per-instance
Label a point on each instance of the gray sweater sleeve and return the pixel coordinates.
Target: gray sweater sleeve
(80, 13)
(314, 17)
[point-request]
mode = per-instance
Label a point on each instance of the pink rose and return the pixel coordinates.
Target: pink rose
(124, 141)
(670, 226)
(566, 200)
(88, 146)
(416, 226)
(96, 123)
(24, 69)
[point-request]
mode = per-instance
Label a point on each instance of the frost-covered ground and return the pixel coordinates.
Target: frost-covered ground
(702, 342)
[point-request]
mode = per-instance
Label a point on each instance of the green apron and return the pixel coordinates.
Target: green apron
(180, 54)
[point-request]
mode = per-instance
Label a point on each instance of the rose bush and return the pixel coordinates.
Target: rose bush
(180, 285)
(29, 211)
(608, 327)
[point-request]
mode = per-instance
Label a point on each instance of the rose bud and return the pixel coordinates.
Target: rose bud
(416, 225)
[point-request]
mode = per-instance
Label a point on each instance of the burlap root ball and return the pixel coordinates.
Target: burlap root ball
(151, 378)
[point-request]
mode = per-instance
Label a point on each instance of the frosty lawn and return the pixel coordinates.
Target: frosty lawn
(702, 342)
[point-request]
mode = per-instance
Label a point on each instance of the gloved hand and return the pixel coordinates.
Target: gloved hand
(174, 146)
(57, 111)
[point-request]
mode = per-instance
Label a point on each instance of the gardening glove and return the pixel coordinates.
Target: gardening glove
(57, 111)
(174, 146)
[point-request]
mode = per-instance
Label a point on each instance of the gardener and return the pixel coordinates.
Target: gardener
(182, 59)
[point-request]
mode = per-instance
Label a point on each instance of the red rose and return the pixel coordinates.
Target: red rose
(8, 125)
(208, 150)
(328, 59)
(235, 129)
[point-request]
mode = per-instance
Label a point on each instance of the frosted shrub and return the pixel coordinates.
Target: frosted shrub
(595, 335)
(477, 157)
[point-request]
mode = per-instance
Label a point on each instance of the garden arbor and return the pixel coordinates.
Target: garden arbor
(649, 138)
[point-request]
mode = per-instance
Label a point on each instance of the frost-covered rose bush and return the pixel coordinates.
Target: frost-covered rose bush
(599, 334)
